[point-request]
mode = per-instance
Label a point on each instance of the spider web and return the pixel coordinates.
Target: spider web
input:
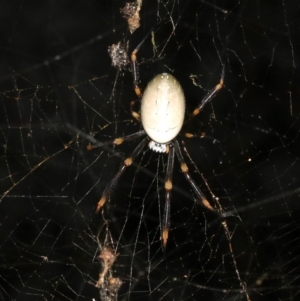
(59, 91)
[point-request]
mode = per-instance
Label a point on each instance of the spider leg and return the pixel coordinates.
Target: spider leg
(134, 114)
(135, 68)
(116, 141)
(168, 188)
(188, 177)
(136, 80)
(210, 94)
(136, 77)
(127, 162)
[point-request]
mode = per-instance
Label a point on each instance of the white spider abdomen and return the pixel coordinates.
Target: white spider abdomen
(163, 108)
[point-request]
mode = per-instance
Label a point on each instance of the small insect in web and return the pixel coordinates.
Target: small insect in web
(162, 116)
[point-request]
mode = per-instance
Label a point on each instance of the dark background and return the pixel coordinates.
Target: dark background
(58, 87)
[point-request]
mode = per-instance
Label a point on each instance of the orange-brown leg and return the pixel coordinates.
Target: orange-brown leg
(168, 188)
(210, 94)
(126, 163)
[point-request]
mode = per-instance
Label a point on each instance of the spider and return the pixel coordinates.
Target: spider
(162, 117)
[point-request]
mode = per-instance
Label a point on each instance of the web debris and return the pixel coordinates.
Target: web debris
(119, 54)
(109, 285)
(131, 12)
